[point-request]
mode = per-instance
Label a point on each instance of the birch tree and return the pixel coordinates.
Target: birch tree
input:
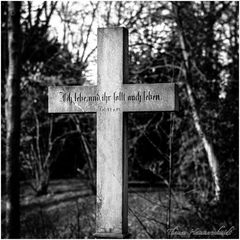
(208, 147)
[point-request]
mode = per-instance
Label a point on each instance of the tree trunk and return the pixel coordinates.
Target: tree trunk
(43, 183)
(87, 154)
(12, 112)
(212, 159)
(91, 168)
(4, 42)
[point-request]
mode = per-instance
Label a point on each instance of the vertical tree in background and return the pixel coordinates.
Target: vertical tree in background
(188, 62)
(12, 112)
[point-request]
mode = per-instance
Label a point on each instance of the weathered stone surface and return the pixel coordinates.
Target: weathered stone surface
(70, 99)
(110, 161)
(125, 98)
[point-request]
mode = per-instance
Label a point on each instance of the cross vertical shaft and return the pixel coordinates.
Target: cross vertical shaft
(111, 214)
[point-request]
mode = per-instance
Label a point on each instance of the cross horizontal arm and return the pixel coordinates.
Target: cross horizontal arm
(72, 99)
(150, 97)
(127, 98)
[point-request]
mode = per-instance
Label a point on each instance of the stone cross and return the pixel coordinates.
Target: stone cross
(111, 99)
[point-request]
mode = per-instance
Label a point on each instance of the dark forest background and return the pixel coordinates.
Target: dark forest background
(193, 151)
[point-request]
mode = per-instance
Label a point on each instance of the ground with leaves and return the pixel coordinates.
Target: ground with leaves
(68, 211)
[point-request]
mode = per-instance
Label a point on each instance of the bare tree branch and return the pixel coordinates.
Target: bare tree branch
(85, 44)
(141, 223)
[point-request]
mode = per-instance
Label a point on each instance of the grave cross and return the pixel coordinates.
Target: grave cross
(111, 99)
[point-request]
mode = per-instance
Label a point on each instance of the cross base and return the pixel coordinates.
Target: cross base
(111, 235)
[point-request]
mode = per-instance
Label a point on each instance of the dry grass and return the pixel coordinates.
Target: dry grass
(69, 212)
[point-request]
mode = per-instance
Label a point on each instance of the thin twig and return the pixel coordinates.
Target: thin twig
(37, 136)
(141, 223)
(170, 176)
(85, 44)
(159, 203)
